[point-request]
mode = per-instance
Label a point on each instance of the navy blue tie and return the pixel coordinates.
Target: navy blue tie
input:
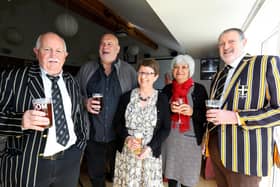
(221, 82)
(61, 128)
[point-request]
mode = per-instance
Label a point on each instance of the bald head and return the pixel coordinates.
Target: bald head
(109, 48)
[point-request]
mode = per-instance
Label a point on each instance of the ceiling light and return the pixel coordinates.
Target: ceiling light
(121, 33)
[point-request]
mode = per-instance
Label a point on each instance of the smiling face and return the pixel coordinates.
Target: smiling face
(108, 48)
(231, 46)
(51, 53)
(146, 77)
(181, 72)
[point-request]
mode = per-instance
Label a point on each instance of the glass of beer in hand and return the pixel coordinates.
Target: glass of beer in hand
(98, 97)
(213, 104)
(44, 105)
(139, 139)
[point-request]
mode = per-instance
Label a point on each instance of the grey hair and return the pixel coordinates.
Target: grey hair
(186, 60)
(38, 41)
(239, 31)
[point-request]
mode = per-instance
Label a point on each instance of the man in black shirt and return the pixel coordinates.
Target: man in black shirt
(110, 77)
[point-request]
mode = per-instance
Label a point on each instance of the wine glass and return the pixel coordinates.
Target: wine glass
(179, 101)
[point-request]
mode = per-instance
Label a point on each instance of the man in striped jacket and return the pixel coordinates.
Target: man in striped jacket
(241, 142)
(33, 156)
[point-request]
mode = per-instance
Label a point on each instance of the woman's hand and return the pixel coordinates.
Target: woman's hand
(144, 153)
(175, 107)
(132, 143)
(186, 109)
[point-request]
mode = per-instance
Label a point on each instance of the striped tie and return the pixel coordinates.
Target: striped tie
(61, 129)
(221, 82)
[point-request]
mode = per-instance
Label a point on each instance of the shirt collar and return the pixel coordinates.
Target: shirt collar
(44, 73)
(237, 61)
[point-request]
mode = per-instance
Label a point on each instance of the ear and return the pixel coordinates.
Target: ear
(36, 51)
(118, 49)
(244, 42)
(156, 77)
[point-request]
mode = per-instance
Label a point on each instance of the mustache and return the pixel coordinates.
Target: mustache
(53, 60)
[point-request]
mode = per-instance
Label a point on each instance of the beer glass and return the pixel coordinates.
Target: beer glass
(44, 105)
(139, 139)
(213, 104)
(98, 97)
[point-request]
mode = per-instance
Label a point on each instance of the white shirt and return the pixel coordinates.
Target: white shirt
(276, 136)
(231, 71)
(52, 147)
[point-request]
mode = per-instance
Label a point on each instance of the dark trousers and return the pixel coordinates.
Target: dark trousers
(173, 183)
(224, 176)
(61, 170)
(98, 155)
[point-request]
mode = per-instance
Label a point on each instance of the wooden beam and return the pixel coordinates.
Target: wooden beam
(97, 12)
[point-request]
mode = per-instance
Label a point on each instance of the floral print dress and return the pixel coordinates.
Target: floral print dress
(130, 171)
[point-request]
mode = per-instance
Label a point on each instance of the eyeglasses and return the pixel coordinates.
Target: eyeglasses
(145, 73)
(50, 50)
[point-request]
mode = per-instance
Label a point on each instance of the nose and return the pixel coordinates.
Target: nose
(226, 45)
(52, 53)
(180, 69)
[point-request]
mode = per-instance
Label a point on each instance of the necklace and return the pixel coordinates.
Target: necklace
(144, 98)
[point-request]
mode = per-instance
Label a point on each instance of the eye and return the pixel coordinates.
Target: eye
(46, 49)
(59, 51)
(221, 44)
(185, 67)
(145, 73)
(231, 42)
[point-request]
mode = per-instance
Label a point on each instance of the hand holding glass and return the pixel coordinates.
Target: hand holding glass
(179, 103)
(98, 97)
(213, 104)
(44, 105)
(139, 139)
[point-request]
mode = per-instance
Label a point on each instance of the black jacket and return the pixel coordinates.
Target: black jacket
(199, 95)
(19, 161)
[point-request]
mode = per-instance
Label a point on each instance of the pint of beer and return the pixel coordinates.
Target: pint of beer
(44, 105)
(213, 104)
(98, 97)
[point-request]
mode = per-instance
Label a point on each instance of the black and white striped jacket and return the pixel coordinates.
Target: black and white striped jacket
(23, 148)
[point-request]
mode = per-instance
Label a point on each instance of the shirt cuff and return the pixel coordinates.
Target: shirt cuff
(240, 120)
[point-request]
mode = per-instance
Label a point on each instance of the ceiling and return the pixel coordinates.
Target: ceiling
(185, 26)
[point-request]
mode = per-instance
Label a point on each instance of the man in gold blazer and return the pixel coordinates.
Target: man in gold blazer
(241, 141)
(33, 156)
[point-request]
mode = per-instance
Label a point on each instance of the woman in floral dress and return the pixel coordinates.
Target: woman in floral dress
(142, 124)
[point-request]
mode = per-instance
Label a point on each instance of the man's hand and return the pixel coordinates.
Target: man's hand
(35, 120)
(93, 106)
(218, 117)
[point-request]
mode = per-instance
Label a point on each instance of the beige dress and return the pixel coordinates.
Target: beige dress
(130, 171)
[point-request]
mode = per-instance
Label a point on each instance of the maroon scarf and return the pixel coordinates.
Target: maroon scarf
(181, 91)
